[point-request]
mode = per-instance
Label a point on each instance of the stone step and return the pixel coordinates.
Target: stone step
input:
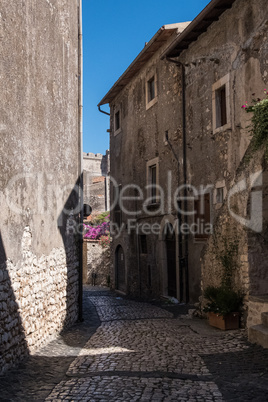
(257, 305)
(264, 319)
(258, 334)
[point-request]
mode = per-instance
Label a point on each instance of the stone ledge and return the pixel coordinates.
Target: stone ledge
(259, 298)
(91, 241)
(258, 334)
(264, 319)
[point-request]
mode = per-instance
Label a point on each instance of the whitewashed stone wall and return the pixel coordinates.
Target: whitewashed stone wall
(38, 297)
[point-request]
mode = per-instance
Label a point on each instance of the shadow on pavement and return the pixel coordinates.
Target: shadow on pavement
(241, 376)
(35, 377)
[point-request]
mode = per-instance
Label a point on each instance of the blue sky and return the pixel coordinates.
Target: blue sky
(114, 32)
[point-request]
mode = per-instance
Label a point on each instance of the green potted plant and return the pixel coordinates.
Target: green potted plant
(223, 306)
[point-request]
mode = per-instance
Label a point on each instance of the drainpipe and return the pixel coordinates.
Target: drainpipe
(102, 111)
(138, 242)
(186, 236)
(80, 128)
(179, 222)
(184, 261)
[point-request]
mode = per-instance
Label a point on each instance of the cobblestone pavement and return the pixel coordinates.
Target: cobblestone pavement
(131, 351)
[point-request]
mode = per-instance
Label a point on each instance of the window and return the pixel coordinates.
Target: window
(152, 172)
(143, 244)
(151, 91)
(117, 210)
(153, 180)
(117, 121)
(219, 195)
(202, 217)
(221, 110)
(221, 116)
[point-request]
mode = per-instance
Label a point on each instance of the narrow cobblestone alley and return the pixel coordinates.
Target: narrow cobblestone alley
(131, 351)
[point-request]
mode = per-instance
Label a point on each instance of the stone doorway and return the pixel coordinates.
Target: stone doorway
(120, 270)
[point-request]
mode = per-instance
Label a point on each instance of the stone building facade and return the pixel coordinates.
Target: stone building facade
(96, 181)
(40, 169)
(230, 58)
(176, 120)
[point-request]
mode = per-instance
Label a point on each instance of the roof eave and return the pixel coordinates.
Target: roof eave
(131, 71)
(199, 25)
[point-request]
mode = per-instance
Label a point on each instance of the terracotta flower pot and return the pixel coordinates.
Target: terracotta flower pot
(229, 321)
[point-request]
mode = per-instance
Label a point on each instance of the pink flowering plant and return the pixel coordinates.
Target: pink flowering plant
(259, 127)
(98, 231)
(105, 241)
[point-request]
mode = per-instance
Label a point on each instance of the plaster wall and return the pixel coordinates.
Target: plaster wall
(39, 169)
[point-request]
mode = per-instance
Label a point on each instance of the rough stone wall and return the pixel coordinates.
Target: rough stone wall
(96, 181)
(250, 263)
(37, 299)
(234, 46)
(39, 169)
(142, 138)
(97, 262)
(256, 306)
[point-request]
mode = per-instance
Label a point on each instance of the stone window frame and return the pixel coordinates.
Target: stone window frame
(219, 184)
(149, 78)
(223, 82)
(118, 109)
(149, 165)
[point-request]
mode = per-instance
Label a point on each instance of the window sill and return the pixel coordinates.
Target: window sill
(221, 129)
(117, 131)
(198, 240)
(154, 205)
(151, 103)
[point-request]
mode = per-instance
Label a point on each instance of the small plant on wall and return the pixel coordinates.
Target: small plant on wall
(259, 126)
